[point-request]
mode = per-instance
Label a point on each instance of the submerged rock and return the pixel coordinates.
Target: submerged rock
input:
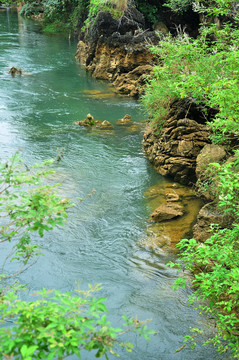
(125, 120)
(97, 94)
(13, 71)
(106, 123)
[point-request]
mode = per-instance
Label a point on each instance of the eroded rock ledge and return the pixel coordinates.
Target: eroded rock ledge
(118, 51)
(174, 151)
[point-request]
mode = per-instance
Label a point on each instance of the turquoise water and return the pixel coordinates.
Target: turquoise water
(101, 241)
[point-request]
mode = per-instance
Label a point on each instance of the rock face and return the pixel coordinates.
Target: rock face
(207, 216)
(117, 50)
(173, 153)
(209, 154)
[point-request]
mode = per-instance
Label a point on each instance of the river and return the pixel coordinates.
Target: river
(102, 240)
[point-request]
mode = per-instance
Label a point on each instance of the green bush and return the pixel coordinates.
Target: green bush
(179, 6)
(58, 325)
(215, 263)
(115, 7)
(71, 12)
(27, 206)
(205, 69)
(149, 10)
(79, 13)
(31, 8)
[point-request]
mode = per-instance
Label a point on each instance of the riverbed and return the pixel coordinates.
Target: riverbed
(103, 239)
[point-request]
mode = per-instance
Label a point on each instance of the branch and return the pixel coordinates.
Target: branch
(20, 271)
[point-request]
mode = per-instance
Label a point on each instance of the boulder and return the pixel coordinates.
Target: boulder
(88, 121)
(125, 120)
(13, 71)
(106, 123)
(172, 197)
(209, 154)
(132, 83)
(173, 151)
(209, 215)
(160, 27)
(167, 212)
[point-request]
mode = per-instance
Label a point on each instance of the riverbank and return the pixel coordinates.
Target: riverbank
(183, 151)
(97, 219)
(202, 148)
(103, 240)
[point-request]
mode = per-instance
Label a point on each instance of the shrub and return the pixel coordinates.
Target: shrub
(149, 10)
(58, 325)
(115, 7)
(31, 8)
(215, 263)
(205, 69)
(179, 6)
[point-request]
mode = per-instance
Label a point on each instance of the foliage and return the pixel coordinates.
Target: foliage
(59, 325)
(148, 9)
(27, 206)
(223, 185)
(10, 3)
(60, 10)
(179, 6)
(215, 262)
(79, 13)
(115, 7)
(62, 14)
(55, 27)
(31, 8)
(205, 69)
(71, 12)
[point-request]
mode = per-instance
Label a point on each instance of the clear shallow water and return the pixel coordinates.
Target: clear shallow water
(101, 241)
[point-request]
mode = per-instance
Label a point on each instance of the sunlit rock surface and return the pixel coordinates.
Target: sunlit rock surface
(117, 50)
(164, 235)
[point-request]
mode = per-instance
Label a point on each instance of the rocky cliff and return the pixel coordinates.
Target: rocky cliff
(173, 151)
(118, 50)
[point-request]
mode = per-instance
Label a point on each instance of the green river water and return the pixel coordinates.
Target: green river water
(101, 242)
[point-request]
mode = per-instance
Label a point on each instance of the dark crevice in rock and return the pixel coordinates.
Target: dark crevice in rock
(189, 108)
